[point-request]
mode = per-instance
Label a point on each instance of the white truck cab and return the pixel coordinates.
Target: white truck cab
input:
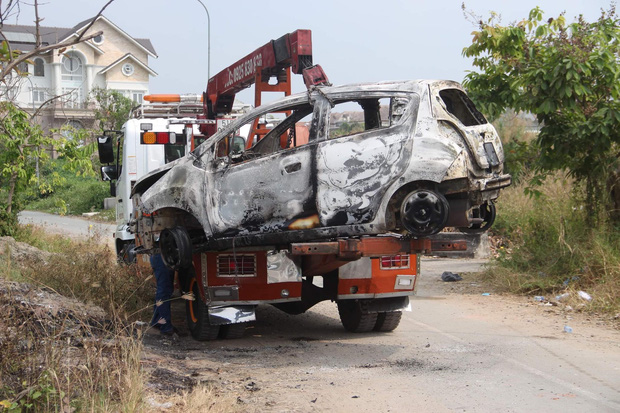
(157, 134)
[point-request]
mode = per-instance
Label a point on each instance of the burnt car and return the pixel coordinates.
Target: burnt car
(408, 157)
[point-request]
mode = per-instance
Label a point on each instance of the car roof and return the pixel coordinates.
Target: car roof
(406, 86)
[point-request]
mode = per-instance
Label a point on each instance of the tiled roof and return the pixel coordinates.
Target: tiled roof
(50, 35)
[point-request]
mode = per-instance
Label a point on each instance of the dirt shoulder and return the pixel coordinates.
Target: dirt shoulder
(454, 338)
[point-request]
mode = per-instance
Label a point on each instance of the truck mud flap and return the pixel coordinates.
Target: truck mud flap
(231, 314)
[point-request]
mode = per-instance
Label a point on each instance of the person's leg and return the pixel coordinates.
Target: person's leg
(165, 287)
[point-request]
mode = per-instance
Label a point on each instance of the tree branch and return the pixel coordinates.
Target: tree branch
(89, 25)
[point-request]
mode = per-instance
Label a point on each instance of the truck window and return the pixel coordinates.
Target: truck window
(173, 152)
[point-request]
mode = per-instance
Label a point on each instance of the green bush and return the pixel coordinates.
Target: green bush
(71, 195)
(8, 222)
(548, 246)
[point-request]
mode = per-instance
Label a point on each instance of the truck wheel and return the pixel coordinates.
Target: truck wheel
(176, 248)
(388, 320)
(232, 331)
(197, 313)
(355, 317)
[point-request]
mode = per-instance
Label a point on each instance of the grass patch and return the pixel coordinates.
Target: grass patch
(63, 192)
(549, 249)
(60, 350)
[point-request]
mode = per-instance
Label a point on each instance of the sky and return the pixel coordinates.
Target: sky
(354, 41)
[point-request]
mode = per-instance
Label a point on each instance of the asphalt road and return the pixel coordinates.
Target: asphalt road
(456, 350)
(69, 225)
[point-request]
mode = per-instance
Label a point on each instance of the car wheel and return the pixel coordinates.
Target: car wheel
(487, 213)
(126, 255)
(197, 313)
(232, 331)
(424, 212)
(355, 317)
(176, 248)
(388, 320)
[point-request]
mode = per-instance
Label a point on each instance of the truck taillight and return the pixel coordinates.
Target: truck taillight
(149, 138)
(395, 262)
(162, 138)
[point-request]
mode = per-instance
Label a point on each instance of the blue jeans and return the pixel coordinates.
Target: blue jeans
(165, 287)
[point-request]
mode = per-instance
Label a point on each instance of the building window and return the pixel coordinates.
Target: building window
(137, 97)
(72, 67)
(39, 67)
(127, 69)
(38, 95)
(98, 39)
(23, 67)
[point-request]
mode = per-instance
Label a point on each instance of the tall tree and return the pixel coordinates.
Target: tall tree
(112, 109)
(568, 75)
(21, 139)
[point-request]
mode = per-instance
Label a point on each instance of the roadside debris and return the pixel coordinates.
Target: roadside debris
(448, 276)
(486, 294)
(585, 295)
(568, 329)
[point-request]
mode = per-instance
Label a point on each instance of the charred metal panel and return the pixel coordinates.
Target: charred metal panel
(263, 195)
(353, 173)
(281, 268)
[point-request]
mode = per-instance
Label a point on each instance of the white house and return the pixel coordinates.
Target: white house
(113, 60)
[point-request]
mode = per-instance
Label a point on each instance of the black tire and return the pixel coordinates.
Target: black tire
(388, 320)
(176, 248)
(424, 212)
(197, 314)
(126, 254)
(355, 317)
(232, 331)
(487, 212)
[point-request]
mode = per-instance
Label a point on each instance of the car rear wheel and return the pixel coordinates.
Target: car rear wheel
(424, 212)
(197, 313)
(485, 214)
(355, 317)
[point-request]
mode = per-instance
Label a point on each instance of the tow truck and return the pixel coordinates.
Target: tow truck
(370, 277)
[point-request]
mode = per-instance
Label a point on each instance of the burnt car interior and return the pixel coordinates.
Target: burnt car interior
(460, 106)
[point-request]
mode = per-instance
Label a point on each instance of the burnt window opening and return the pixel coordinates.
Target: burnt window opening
(460, 106)
(356, 116)
(284, 135)
(269, 133)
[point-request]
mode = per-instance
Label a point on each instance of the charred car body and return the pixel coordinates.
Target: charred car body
(421, 158)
